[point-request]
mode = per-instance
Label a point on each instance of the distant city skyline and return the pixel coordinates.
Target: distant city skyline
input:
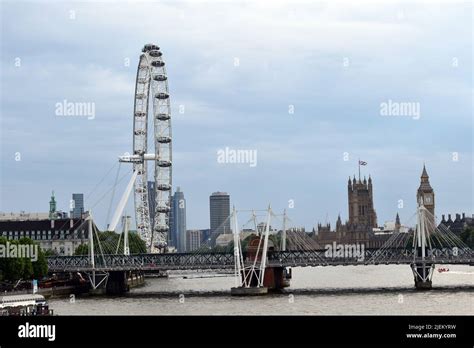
(307, 89)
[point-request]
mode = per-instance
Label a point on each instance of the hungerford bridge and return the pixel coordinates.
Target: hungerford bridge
(260, 266)
(263, 266)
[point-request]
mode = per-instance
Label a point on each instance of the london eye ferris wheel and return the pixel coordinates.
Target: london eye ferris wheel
(151, 116)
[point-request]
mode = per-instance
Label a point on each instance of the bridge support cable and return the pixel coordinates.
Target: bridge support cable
(263, 258)
(302, 249)
(250, 272)
(445, 243)
(118, 244)
(253, 269)
(237, 250)
(125, 228)
(283, 232)
(112, 196)
(123, 202)
(95, 278)
(395, 249)
(101, 198)
(397, 241)
(100, 182)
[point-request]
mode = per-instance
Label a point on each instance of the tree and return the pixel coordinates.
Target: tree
(27, 271)
(12, 269)
(110, 242)
(82, 249)
(137, 245)
(40, 267)
(467, 236)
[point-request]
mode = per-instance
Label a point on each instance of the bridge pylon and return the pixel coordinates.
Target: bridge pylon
(250, 274)
(253, 274)
(422, 266)
(97, 279)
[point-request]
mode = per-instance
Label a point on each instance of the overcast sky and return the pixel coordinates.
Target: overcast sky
(238, 68)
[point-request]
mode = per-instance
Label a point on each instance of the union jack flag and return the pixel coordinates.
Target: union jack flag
(362, 163)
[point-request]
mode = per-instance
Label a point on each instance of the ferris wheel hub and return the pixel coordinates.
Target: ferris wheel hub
(138, 158)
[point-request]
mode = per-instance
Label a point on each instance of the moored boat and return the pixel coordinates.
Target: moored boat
(24, 305)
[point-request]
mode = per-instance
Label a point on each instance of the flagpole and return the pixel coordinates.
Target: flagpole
(359, 169)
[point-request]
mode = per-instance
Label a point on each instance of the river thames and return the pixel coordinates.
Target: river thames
(350, 290)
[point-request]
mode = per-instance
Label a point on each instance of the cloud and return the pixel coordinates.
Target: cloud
(288, 54)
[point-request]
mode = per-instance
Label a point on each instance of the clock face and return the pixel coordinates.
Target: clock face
(428, 199)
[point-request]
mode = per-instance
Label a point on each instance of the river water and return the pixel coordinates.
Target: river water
(350, 290)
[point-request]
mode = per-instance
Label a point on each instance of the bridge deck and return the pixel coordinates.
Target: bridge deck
(225, 261)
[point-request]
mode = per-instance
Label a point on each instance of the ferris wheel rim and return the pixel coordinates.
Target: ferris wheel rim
(151, 87)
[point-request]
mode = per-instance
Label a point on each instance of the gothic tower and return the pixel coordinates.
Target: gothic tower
(361, 203)
(425, 193)
(397, 223)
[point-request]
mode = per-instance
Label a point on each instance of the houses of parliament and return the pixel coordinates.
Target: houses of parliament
(361, 227)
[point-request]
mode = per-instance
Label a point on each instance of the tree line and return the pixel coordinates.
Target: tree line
(15, 268)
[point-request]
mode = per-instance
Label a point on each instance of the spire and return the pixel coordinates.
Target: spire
(370, 180)
(397, 223)
(53, 200)
(365, 180)
(425, 181)
(424, 174)
(338, 222)
(52, 207)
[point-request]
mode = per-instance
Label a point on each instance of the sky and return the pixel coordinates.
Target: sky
(300, 83)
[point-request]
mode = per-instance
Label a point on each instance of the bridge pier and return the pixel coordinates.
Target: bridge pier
(98, 281)
(117, 283)
(423, 273)
(252, 287)
(275, 279)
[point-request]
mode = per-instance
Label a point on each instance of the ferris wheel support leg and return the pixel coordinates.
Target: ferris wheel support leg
(123, 202)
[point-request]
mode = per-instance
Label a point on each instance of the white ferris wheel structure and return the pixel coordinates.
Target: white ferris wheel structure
(151, 116)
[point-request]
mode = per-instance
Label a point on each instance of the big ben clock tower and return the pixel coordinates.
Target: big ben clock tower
(425, 193)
